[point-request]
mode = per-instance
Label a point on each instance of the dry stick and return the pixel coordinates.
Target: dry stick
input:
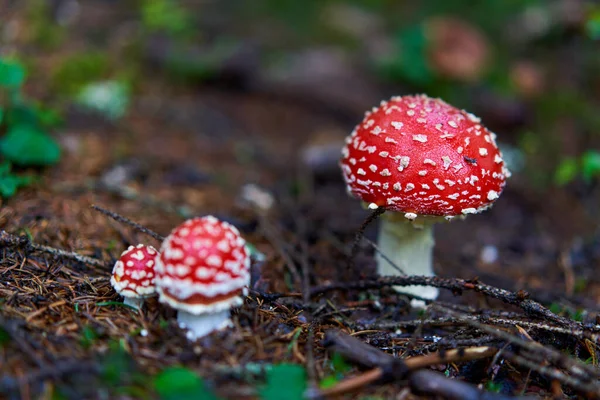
(10, 240)
(122, 219)
(592, 388)
(384, 365)
(452, 321)
(385, 257)
(437, 384)
(457, 286)
(360, 233)
(584, 372)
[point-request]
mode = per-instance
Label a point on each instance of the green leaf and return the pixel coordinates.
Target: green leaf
(165, 15)
(1, 115)
(88, 337)
(409, 61)
(117, 366)
(328, 381)
(178, 383)
(590, 165)
(567, 171)
(592, 25)
(5, 168)
(10, 183)
(27, 146)
(339, 364)
(12, 74)
(74, 72)
(284, 378)
(21, 114)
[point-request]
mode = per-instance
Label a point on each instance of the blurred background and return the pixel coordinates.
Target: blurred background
(189, 101)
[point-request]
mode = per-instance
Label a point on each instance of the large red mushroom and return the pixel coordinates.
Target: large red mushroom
(425, 160)
(203, 271)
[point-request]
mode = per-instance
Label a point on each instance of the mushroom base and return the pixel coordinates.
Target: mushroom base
(201, 325)
(135, 302)
(409, 247)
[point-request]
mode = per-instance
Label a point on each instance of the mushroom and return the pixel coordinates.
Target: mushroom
(133, 274)
(203, 271)
(427, 161)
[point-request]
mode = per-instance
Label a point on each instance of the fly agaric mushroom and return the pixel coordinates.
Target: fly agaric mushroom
(424, 159)
(203, 271)
(133, 274)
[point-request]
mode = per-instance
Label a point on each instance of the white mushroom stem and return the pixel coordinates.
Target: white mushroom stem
(135, 302)
(199, 325)
(410, 248)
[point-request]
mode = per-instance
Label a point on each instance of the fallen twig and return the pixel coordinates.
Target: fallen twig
(122, 219)
(386, 367)
(462, 320)
(457, 286)
(22, 242)
(437, 384)
(360, 233)
(580, 376)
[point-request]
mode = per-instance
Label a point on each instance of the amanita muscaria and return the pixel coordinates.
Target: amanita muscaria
(203, 271)
(133, 274)
(425, 160)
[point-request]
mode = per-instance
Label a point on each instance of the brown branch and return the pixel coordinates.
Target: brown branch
(122, 219)
(23, 243)
(386, 367)
(457, 286)
(360, 233)
(462, 320)
(578, 371)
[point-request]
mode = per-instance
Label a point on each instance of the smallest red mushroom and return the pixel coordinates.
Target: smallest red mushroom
(203, 271)
(133, 274)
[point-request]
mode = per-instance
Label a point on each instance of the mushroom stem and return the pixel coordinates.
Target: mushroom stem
(203, 324)
(135, 302)
(409, 247)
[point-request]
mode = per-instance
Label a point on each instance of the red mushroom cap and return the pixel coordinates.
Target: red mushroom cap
(421, 156)
(204, 266)
(133, 274)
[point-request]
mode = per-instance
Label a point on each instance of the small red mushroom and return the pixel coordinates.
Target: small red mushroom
(203, 271)
(133, 274)
(423, 158)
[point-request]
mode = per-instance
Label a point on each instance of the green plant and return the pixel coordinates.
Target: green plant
(165, 16)
(339, 367)
(88, 337)
(179, 383)
(25, 142)
(9, 182)
(284, 378)
(592, 24)
(586, 166)
(77, 70)
(408, 62)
